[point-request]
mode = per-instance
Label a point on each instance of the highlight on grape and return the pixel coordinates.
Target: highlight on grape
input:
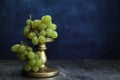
(37, 31)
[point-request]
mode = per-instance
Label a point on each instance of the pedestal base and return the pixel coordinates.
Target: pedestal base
(44, 72)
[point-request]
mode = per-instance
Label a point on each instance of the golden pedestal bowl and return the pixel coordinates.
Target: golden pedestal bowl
(44, 71)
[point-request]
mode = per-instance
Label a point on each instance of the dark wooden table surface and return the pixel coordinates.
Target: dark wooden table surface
(69, 70)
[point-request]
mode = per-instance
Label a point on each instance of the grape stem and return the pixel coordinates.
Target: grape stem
(23, 43)
(30, 22)
(30, 17)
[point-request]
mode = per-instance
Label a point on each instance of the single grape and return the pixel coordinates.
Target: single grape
(31, 55)
(22, 48)
(53, 26)
(37, 57)
(43, 33)
(32, 62)
(15, 47)
(25, 53)
(36, 22)
(29, 22)
(46, 19)
(21, 57)
(38, 62)
(29, 27)
(49, 31)
(41, 39)
(31, 35)
(26, 31)
(29, 49)
(35, 69)
(54, 34)
(35, 40)
(42, 26)
(38, 54)
(27, 67)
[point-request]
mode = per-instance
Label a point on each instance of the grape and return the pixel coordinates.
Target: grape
(35, 40)
(37, 57)
(21, 57)
(31, 35)
(29, 49)
(46, 19)
(31, 55)
(29, 22)
(25, 52)
(32, 62)
(38, 62)
(15, 47)
(41, 39)
(27, 67)
(36, 22)
(26, 31)
(35, 69)
(49, 31)
(54, 34)
(38, 53)
(43, 33)
(53, 26)
(27, 27)
(42, 26)
(22, 48)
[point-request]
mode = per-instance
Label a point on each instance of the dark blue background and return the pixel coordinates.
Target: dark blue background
(87, 28)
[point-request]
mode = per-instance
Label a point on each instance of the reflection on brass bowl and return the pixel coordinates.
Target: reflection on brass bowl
(49, 39)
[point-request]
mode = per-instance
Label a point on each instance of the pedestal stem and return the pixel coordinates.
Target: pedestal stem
(43, 57)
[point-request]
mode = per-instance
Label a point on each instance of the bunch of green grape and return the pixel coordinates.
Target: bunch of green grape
(37, 31)
(25, 53)
(40, 29)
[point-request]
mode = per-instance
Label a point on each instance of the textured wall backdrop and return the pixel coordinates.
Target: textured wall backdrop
(87, 28)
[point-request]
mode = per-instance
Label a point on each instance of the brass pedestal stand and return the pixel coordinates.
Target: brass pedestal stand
(44, 71)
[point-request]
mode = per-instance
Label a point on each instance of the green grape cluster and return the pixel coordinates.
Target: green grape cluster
(39, 29)
(25, 53)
